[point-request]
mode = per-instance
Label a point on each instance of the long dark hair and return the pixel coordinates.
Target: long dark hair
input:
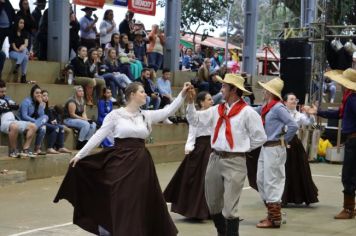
(90, 53)
(26, 12)
(47, 106)
(201, 98)
(37, 104)
(106, 14)
(122, 44)
(16, 24)
(112, 41)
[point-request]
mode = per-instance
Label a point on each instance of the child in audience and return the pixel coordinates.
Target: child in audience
(105, 106)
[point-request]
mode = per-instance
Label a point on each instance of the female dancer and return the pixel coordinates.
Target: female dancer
(299, 186)
(117, 189)
(186, 189)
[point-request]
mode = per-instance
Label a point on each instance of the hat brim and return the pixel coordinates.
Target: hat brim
(271, 90)
(338, 77)
(88, 9)
(245, 91)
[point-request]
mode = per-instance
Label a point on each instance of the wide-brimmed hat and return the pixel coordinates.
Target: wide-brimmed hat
(346, 78)
(138, 22)
(40, 2)
(88, 9)
(274, 86)
(234, 80)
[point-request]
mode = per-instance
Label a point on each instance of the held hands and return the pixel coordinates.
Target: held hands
(74, 161)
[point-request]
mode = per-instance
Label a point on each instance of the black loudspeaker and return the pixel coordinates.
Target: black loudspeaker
(296, 75)
(296, 48)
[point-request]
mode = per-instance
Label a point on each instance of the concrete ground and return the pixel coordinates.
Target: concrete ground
(27, 209)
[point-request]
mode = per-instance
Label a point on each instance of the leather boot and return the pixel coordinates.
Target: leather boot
(232, 227)
(274, 216)
(89, 95)
(220, 224)
(349, 208)
(266, 218)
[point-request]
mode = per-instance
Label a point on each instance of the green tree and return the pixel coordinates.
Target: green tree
(198, 13)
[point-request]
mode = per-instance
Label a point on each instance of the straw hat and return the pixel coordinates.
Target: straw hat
(235, 80)
(346, 78)
(274, 86)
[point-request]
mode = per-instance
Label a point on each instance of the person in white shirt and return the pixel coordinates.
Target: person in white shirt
(186, 189)
(117, 190)
(299, 186)
(237, 129)
(107, 28)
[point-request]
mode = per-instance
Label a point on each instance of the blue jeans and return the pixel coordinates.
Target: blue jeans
(41, 129)
(349, 167)
(55, 135)
(331, 89)
(153, 102)
(86, 130)
(155, 60)
(116, 81)
(21, 58)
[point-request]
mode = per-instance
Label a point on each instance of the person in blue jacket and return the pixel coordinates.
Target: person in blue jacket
(105, 106)
(32, 110)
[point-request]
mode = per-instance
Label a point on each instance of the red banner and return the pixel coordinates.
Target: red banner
(147, 7)
(90, 3)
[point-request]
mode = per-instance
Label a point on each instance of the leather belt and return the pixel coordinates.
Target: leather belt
(225, 155)
(272, 143)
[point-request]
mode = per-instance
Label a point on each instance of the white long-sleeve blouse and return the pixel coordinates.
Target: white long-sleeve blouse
(121, 123)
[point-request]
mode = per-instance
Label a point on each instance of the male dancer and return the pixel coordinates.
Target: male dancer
(280, 129)
(237, 129)
(347, 112)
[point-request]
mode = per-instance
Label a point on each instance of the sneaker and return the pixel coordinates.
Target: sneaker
(14, 154)
(27, 153)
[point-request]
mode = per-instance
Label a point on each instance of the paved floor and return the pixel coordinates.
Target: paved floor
(27, 209)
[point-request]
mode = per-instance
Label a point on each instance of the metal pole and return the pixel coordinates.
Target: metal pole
(172, 33)
(250, 37)
(227, 31)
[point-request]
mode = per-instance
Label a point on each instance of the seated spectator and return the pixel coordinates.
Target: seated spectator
(155, 48)
(2, 62)
(18, 48)
(136, 65)
(232, 65)
(204, 75)
(114, 43)
(75, 117)
(12, 127)
(152, 100)
(88, 29)
(32, 110)
(140, 48)
(120, 80)
(215, 88)
(84, 74)
(215, 62)
(329, 89)
(8, 17)
(55, 130)
(164, 87)
(30, 24)
(107, 28)
(187, 63)
(105, 106)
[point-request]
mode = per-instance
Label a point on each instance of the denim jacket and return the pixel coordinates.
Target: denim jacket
(27, 108)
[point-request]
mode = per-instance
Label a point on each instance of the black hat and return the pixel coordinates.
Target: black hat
(40, 2)
(88, 9)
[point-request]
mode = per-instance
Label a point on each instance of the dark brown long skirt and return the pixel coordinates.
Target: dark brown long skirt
(299, 187)
(118, 189)
(251, 164)
(186, 189)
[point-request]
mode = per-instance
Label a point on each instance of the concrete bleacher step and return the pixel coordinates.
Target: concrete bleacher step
(8, 177)
(57, 164)
(43, 72)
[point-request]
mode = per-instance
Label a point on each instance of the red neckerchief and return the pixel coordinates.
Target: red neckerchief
(346, 95)
(236, 109)
(266, 108)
